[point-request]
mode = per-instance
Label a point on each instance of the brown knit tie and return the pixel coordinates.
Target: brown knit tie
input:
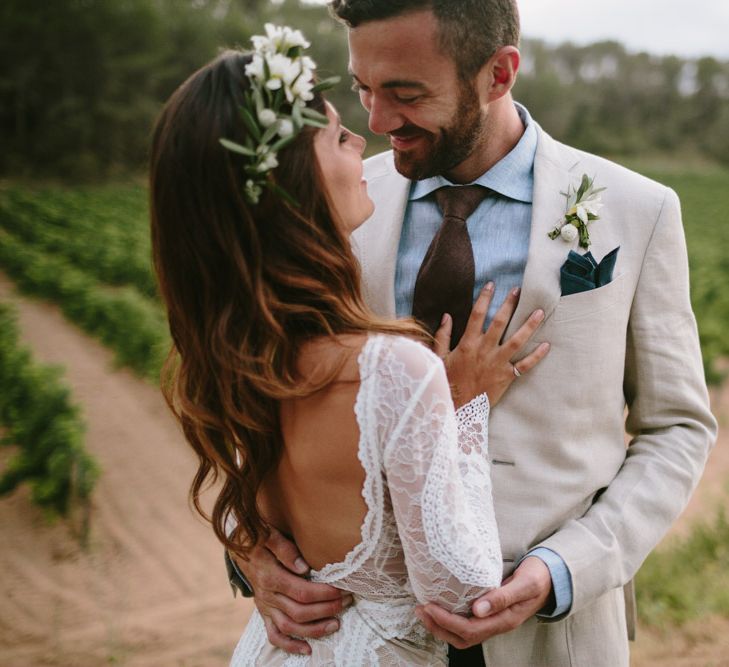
(447, 275)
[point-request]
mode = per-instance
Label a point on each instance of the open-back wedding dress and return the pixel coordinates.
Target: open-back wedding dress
(429, 534)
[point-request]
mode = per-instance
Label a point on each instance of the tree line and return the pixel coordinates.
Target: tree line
(81, 82)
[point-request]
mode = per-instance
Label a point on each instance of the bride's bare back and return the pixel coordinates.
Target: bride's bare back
(315, 494)
(396, 515)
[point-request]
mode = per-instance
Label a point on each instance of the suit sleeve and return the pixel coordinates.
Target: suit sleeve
(669, 420)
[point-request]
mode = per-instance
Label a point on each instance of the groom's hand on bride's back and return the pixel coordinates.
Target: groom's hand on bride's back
(289, 603)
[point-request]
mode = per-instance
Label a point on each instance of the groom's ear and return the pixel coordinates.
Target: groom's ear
(498, 75)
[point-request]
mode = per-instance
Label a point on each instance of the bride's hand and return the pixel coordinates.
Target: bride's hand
(481, 363)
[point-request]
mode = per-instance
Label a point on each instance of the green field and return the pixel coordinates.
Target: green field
(704, 194)
(687, 578)
(40, 421)
(88, 249)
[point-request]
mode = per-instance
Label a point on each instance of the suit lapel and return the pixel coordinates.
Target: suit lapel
(541, 285)
(377, 241)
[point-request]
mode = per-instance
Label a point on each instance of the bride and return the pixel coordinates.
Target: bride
(317, 418)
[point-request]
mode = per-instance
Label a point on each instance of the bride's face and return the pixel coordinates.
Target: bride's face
(339, 153)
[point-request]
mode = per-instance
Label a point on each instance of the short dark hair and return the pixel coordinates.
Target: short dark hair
(471, 31)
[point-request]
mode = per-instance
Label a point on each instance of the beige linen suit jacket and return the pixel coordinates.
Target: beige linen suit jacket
(562, 475)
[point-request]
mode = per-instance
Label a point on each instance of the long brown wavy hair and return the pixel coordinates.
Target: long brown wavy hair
(245, 286)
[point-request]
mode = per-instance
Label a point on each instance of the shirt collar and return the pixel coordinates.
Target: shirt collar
(512, 176)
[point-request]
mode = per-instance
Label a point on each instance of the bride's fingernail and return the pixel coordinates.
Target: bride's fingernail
(444, 320)
(347, 600)
(301, 566)
(331, 627)
(481, 608)
(488, 287)
(516, 291)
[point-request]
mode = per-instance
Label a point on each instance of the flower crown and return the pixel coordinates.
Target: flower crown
(274, 109)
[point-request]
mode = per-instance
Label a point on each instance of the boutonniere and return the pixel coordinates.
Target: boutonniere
(583, 203)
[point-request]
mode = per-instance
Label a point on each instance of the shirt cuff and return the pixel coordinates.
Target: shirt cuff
(236, 578)
(561, 582)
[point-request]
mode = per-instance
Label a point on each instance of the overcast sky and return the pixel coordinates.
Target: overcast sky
(693, 28)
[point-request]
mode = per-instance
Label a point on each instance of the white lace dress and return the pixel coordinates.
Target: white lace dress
(429, 534)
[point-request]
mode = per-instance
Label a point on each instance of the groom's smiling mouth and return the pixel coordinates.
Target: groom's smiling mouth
(405, 137)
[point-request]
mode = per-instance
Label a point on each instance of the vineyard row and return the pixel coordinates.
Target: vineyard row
(37, 417)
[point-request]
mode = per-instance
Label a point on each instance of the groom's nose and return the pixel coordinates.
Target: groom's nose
(384, 116)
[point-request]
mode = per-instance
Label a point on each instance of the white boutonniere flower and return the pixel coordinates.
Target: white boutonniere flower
(583, 204)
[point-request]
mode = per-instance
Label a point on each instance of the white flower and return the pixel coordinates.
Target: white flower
(568, 232)
(593, 203)
(587, 207)
(285, 38)
(263, 44)
(252, 191)
(301, 89)
(254, 69)
(266, 117)
(285, 128)
(275, 34)
(283, 71)
(279, 39)
(294, 38)
(269, 162)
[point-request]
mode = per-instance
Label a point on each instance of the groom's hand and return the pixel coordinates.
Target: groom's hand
(290, 605)
(501, 610)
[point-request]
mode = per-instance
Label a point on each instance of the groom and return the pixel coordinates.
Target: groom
(578, 512)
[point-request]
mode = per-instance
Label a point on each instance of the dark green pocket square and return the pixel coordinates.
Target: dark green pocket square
(581, 273)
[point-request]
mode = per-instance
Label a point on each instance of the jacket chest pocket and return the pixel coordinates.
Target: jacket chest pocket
(584, 304)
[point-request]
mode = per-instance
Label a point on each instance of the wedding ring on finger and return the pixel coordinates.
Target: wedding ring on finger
(517, 372)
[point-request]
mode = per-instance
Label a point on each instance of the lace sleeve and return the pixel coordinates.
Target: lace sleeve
(436, 466)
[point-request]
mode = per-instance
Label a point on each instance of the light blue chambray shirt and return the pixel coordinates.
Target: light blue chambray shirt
(499, 229)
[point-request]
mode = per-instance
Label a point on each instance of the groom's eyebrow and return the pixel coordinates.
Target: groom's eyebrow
(403, 83)
(395, 83)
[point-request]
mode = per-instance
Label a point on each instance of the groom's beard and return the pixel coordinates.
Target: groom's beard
(438, 153)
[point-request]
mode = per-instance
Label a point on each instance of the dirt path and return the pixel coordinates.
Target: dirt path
(702, 643)
(150, 589)
(705, 642)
